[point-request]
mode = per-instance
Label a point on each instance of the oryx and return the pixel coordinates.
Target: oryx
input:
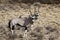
(23, 21)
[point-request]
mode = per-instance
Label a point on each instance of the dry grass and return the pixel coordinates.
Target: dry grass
(49, 16)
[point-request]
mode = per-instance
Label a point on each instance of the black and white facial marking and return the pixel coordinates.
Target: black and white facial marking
(31, 19)
(34, 17)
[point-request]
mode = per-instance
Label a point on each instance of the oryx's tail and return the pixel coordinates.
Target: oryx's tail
(9, 24)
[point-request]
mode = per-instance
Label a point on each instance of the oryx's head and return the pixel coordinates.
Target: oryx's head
(36, 13)
(34, 16)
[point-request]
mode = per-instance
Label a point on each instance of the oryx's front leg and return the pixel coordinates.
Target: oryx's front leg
(25, 33)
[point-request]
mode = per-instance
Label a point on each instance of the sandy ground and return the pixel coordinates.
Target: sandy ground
(46, 27)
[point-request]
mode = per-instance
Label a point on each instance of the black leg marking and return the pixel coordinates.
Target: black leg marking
(13, 27)
(22, 26)
(18, 24)
(25, 28)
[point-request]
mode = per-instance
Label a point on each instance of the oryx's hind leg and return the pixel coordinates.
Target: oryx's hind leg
(12, 28)
(10, 25)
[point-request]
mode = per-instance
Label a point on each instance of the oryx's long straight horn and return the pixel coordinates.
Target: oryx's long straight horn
(36, 10)
(30, 12)
(36, 7)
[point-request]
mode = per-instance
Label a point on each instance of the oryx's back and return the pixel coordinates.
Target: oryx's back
(18, 21)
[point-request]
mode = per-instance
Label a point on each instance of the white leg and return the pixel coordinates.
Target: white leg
(25, 33)
(12, 32)
(11, 28)
(31, 27)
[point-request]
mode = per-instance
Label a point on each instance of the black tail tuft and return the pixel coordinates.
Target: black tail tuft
(9, 24)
